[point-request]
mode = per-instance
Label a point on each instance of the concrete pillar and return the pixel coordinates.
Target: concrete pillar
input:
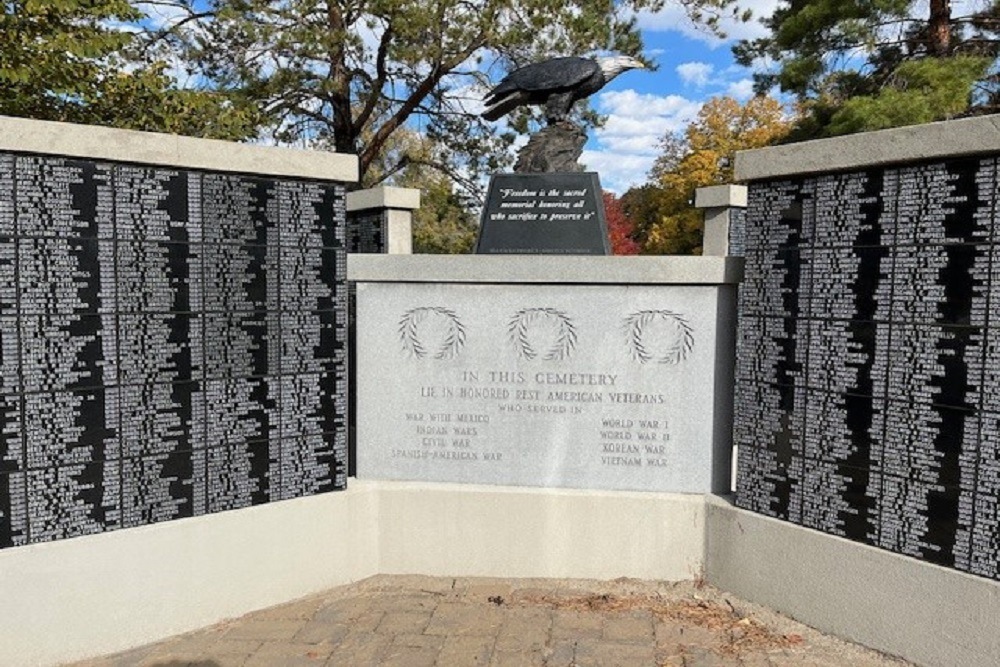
(725, 233)
(379, 221)
(391, 211)
(724, 209)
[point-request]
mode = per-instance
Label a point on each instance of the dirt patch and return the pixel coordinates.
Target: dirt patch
(738, 634)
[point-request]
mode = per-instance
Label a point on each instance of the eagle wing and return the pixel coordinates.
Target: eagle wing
(535, 84)
(554, 74)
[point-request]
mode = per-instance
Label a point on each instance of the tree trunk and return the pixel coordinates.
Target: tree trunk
(344, 135)
(939, 28)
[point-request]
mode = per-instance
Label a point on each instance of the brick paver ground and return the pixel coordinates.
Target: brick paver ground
(411, 621)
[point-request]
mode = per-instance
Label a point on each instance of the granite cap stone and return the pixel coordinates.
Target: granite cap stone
(967, 136)
(105, 143)
(645, 270)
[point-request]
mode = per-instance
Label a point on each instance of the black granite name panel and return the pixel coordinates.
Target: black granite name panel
(868, 360)
(172, 343)
(366, 231)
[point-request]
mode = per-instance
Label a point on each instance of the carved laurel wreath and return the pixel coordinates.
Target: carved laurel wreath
(409, 333)
(519, 327)
(635, 331)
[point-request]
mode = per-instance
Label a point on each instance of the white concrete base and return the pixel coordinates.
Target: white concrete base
(99, 594)
(465, 530)
(104, 593)
(925, 613)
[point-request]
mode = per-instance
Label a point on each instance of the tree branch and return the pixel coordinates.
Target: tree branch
(155, 37)
(470, 185)
(381, 76)
(413, 100)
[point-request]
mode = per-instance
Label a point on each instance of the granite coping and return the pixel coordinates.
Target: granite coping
(104, 143)
(953, 138)
(721, 196)
(545, 269)
(384, 197)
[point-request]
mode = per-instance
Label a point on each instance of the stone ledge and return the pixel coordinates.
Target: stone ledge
(545, 269)
(104, 143)
(721, 196)
(384, 197)
(96, 594)
(89, 595)
(968, 136)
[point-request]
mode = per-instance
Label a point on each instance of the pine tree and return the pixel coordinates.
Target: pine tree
(868, 64)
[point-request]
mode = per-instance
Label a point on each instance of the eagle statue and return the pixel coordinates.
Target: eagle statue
(557, 84)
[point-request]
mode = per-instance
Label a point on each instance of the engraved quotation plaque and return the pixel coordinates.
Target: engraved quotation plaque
(544, 214)
(172, 344)
(544, 385)
(868, 359)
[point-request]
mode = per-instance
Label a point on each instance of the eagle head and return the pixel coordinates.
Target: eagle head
(612, 66)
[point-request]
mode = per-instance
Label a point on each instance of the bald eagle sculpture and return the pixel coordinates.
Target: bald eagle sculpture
(557, 83)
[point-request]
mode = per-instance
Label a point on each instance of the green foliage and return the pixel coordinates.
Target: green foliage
(639, 203)
(52, 53)
(922, 91)
(868, 64)
(442, 224)
(65, 60)
(149, 100)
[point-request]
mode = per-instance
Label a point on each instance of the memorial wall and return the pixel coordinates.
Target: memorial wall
(868, 358)
(172, 343)
(552, 385)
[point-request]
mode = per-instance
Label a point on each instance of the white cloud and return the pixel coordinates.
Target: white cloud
(636, 135)
(370, 30)
(673, 18)
(627, 145)
(617, 173)
(695, 73)
(468, 98)
(643, 105)
(741, 90)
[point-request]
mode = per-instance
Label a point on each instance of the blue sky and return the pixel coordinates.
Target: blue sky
(642, 106)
